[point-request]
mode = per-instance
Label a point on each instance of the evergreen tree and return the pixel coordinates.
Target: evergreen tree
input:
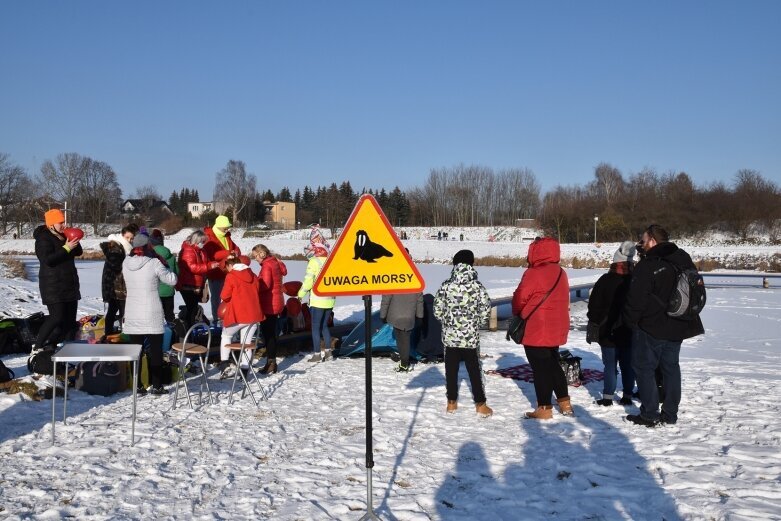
(284, 195)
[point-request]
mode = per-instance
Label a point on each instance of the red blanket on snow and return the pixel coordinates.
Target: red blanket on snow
(524, 372)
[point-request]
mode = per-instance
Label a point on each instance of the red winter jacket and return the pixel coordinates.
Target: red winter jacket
(193, 266)
(272, 300)
(241, 293)
(549, 325)
(215, 251)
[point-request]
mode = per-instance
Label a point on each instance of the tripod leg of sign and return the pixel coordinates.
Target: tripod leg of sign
(367, 304)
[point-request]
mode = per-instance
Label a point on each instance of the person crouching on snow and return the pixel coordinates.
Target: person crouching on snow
(462, 305)
(240, 293)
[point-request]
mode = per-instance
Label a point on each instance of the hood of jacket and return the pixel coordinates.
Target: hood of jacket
(243, 273)
(42, 229)
(136, 262)
(119, 239)
(544, 251)
(463, 273)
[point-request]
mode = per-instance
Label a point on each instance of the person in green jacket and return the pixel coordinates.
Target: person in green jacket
(166, 292)
(321, 308)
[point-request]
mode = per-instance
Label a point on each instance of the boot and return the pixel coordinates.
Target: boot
(452, 405)
(565, 406)
(483, 410)
(542, 412)
(270, 367)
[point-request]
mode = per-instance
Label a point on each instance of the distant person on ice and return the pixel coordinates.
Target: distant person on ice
(58, 279)
(462, 305)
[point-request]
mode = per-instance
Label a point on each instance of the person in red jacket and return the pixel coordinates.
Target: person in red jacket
(545, 284)
(272, 301)
(242, 310)
(217, 248)
(193, 266)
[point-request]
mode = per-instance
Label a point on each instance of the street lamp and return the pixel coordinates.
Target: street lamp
(596, 218)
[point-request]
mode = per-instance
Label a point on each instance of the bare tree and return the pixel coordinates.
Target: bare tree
(234, 186)
(13, 181)
(61, 178)
(609, 182)
(99, 193)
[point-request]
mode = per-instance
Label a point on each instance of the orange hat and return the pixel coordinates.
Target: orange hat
(53, 217)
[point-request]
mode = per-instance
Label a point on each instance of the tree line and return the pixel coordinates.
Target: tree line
(463, 195)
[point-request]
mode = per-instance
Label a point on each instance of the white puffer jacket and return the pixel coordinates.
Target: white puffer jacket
(143, 309)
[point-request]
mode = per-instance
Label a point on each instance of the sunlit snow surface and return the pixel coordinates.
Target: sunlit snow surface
(301, 454)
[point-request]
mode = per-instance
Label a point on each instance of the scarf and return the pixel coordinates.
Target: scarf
(621, 268)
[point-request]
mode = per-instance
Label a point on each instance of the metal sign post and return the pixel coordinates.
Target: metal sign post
(367, 304)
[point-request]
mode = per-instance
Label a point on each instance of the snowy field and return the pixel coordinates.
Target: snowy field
(300, 456)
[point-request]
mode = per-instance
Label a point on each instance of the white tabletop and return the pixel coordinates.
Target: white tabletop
(98, 353)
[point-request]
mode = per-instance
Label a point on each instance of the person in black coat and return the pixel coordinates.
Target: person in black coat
(656, 336)
(57, 279)
(605, 305)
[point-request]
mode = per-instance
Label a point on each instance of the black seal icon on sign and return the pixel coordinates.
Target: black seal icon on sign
(367, 250)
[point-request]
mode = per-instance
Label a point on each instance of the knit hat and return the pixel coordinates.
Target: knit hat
(53, 217)
(464, 257)
(222, 221)
(156, 237)
(140, 240)
(625, 252)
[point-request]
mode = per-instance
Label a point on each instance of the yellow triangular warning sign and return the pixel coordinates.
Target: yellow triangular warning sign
(368, 258)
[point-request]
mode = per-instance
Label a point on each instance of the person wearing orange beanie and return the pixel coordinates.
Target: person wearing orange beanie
(58, 280)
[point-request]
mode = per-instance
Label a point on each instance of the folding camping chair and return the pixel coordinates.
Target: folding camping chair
(185, 349)
(237, 350)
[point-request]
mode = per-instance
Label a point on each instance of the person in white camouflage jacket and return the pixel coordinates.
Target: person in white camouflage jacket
(462, 305)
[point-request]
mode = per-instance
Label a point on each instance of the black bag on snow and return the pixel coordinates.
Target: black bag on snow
(102, 378)
(6, 375)
(571, 367)
(27, 329)
(40, 362)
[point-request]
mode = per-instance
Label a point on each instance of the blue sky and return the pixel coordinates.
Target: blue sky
(378, 93)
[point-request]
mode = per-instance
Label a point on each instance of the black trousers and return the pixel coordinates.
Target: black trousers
(168, 308)
(154, 356)
(402, 342)
(548, 374)
(453, 358)
(269, 329)
(191, 302)
(115, 311)
(60, 325)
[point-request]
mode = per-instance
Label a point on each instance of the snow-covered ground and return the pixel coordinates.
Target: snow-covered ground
(300, 456)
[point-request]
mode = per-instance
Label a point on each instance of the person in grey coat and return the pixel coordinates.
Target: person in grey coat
(402, 311)
(144, 272)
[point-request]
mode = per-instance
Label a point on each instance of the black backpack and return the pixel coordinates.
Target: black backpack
(688, 296)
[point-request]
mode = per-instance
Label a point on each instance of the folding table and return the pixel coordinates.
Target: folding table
(95, 353)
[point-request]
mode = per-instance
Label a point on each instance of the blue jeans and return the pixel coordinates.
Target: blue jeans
(648, 354)
(215, 289)
(613, 357)
(320, 318)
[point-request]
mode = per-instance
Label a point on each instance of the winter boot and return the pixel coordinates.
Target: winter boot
(270, 367)
(565, 406)
(452, 405)
(483, 410)
(542, 412)
(625, 400)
